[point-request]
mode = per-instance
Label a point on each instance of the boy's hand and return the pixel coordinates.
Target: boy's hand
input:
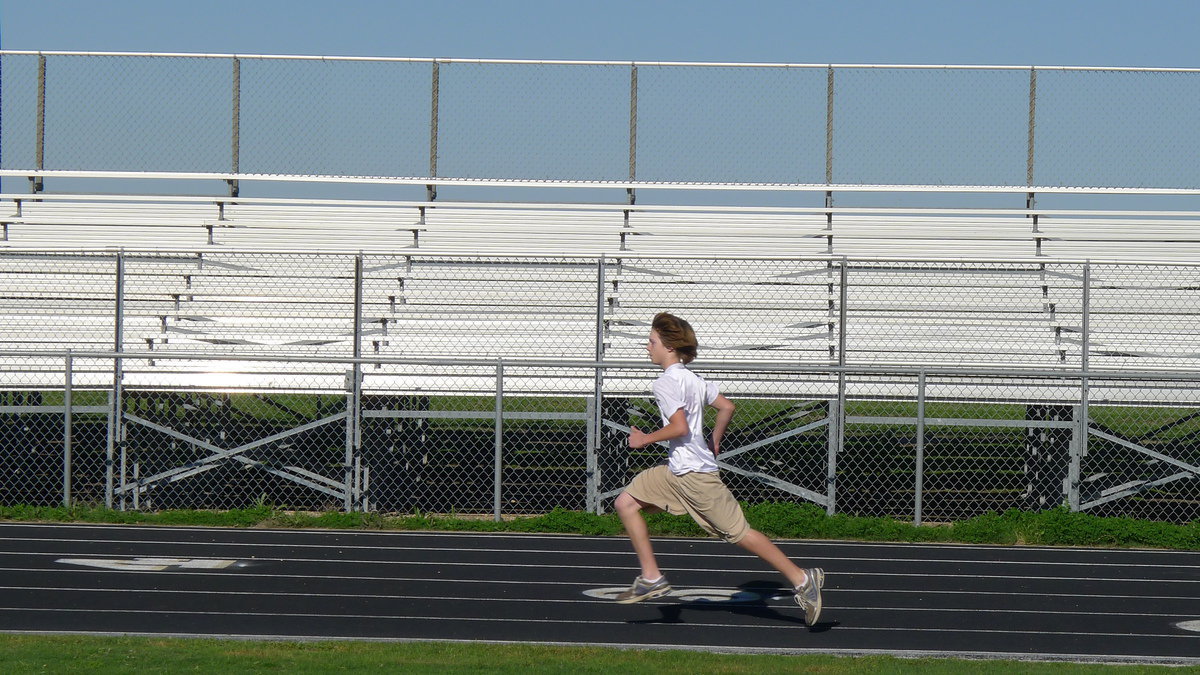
(637, 439)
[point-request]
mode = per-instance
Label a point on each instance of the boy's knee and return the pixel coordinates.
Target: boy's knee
(625, 503)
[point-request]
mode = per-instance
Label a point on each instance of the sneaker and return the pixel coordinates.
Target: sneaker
(642, 590)
(808, 594)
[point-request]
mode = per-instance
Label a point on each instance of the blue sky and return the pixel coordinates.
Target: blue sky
(970, 32)
(1117, 33)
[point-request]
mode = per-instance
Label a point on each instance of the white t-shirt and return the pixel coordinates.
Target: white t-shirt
(677, 388)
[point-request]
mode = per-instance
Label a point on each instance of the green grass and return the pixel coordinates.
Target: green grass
(779, 520)
(30, 654)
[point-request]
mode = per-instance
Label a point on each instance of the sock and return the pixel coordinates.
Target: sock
(654, 580)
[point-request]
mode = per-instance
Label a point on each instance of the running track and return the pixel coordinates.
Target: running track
(965, 601)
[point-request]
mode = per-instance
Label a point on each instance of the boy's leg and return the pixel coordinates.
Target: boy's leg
(757, 543)
(630, 512)
(807, 590)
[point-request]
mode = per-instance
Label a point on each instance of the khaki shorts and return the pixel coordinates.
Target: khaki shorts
(700, 495)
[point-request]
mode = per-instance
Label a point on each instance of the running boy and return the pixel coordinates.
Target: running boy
(689, 482)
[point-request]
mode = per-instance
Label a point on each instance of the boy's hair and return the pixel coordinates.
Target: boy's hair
(677, 334)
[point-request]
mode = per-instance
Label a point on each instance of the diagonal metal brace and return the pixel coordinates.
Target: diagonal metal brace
(1194, 470)
(219, 454)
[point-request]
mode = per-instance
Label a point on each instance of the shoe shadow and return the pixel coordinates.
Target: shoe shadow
(750, 600)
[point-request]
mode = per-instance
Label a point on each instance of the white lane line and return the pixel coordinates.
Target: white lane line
(623, 554)
(688, 601)
(560, 537)
(589, 622)
(835, 592)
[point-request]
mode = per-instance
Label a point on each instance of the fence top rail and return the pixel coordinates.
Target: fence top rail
(714, 366)
(595, 184)
(192, 254)
(575, 62)
(587, 206)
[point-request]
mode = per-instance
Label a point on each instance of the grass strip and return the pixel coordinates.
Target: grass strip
(779, 520)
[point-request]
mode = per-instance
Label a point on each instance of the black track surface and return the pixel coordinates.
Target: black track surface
(976, 601)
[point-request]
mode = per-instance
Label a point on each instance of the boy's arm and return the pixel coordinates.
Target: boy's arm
(676, 426)
(725, 409)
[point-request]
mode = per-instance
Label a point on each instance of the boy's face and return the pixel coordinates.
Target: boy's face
(659, 354)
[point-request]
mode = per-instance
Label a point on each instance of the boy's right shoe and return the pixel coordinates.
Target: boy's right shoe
(808, 594)
(643, 590)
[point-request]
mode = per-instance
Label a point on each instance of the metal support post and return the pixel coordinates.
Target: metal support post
(1029, 156)
(1082, 424)
(498, 440)
(117, 416)
(354, 404)
(633, 115)
(353, 380)
(35, 182)
(838, 423)
(834, 440)
(1071, 483)
(109, 444)
(67, 430)
(919, 495)
(829, 126)
(595, 419)
(236, 150)
(431, 189)
(829, 221)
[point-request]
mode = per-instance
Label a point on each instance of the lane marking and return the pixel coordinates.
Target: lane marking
(846, 574)
(259, 561)
(607, 594)
(564, 537)
(725, 595)
(148, 564)
(591, 621)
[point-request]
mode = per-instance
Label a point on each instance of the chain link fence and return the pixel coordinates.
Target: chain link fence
(913, 389)
(504, 438)
(611, 121)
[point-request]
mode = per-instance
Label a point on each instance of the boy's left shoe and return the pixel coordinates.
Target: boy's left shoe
(644, 590)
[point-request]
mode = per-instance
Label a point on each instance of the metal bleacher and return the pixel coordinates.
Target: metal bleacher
(924, 287)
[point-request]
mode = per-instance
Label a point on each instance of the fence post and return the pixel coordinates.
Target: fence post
(117, 413)
(829, 129)
(236, 150)
(1080, 447)
(829, 158)
(595, 420)
(498, 439)
(435, 93)
(633, 115)
(67, 429)
(354, 404)
(1032, 125)
(838, 422)
(35, 182)
(919, 498)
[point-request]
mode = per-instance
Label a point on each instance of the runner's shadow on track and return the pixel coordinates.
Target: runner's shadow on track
(750, 600)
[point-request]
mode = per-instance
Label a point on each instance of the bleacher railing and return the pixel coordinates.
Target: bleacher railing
(227, 117)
